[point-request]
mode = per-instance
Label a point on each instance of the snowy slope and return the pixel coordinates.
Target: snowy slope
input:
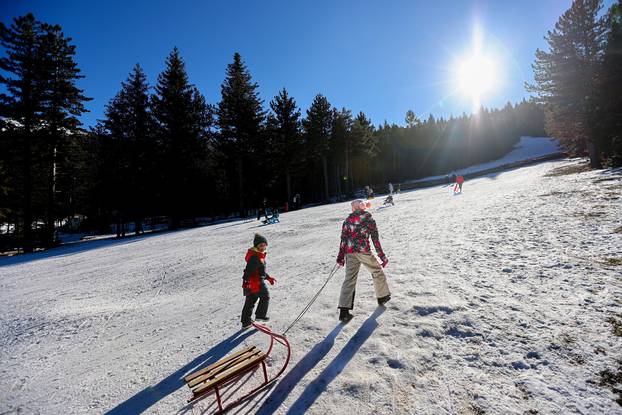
(528, 148)
(500, 303)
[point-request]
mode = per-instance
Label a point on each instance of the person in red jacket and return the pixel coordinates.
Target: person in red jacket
(254, 282)
(355, 250)
(458, 185)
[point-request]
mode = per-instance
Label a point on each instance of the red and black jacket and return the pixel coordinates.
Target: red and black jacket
(355, 233)
(255, 272)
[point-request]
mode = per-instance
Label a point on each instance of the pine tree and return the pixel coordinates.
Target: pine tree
(611, 88)
(63, 104)
(567, 77)
(182, 122)
(130, 128)
(363, 146)
(341, 144)
(411, 119)
(23, 103)
(285, 137)
(317, 128)
(240, 120)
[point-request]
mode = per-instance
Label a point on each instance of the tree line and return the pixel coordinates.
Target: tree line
(163, 151)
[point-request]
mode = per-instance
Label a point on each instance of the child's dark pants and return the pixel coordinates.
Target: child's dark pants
(262, 308)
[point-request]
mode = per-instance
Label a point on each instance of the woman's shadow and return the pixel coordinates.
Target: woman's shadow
(311, 359)
(149, 396)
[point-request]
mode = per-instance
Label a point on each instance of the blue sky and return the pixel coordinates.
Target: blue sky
(379, 57)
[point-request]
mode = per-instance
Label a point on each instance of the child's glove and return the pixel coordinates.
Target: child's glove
(271, 280)
(341, 262)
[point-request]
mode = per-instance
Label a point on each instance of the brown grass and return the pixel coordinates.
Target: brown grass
(566, 170)
(616, 262)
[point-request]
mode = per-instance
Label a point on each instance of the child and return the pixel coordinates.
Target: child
(458, 185)
(254, 282)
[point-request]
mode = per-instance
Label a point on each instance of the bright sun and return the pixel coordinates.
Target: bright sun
(476, 76)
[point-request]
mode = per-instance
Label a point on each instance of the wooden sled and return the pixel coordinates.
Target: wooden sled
(230, 368)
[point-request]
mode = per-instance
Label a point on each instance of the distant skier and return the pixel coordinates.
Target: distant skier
(458, 185)
(355, 250)
(254, 282)
(388, 201)
(390, 188)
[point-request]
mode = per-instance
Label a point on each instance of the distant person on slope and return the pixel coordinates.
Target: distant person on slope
(254, 282)
(458, 185)
(355, 250)
(390, 188)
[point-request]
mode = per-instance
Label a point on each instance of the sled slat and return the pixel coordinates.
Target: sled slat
(221, 362)
(223, 367)
(230, 373)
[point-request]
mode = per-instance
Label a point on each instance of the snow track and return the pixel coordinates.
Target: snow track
(500, 301)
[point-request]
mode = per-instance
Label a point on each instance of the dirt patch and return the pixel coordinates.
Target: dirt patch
(567, 170)
(616, 262)
(476, 410)
(616, 325)
(613, 381)
(587, 215)
(554, 193)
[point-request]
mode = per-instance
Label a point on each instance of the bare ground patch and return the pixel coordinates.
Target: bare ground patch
(612, 379)
(567, 170)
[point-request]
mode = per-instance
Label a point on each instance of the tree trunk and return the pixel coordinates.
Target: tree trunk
(347, 170)
(338, 175)
(325, 171)
(241, 184)
(288, 184)
(27, 208)
(138, 226)
(394, 170)
(50, 228)
(594, 153)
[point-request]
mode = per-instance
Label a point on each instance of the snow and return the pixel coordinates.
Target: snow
(114, 325)
(528, 148)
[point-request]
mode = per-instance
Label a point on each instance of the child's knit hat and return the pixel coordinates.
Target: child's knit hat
(259, 240)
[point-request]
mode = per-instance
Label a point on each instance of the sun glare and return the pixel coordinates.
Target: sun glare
(476, 76)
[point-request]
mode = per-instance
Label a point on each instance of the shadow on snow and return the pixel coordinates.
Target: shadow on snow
(321, 382)
(151, 395)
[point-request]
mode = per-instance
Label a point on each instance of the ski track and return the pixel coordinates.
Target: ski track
(500, 300)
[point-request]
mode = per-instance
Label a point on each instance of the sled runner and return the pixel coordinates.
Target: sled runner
(230, 368)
